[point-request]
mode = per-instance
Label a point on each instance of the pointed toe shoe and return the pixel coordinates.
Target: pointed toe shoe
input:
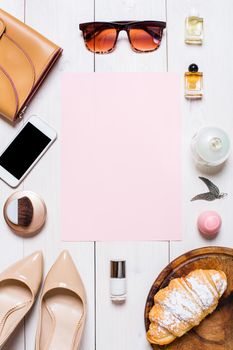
(62, 308)
(19, 285)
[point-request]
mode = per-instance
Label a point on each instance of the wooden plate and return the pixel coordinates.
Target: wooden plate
(216, 331)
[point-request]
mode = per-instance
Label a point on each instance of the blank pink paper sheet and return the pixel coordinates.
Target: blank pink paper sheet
(121, 157)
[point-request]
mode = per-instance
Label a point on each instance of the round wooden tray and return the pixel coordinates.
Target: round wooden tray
(216, 331)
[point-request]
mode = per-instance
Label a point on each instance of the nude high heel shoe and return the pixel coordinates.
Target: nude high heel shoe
(19, 285)
(63, 307)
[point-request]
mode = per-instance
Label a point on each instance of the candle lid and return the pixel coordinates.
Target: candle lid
(213, 145)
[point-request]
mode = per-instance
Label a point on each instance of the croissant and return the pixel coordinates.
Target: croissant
(184, 303)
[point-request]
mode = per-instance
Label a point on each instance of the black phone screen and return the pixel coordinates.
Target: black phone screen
(24, 150)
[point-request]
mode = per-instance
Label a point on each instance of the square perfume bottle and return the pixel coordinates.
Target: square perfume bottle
(194, 29)
(193, 82)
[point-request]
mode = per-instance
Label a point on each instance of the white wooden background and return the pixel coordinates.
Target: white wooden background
(110, 326)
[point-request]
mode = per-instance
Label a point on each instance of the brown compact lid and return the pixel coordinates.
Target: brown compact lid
(38, 217)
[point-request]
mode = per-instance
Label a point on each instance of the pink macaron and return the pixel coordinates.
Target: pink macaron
(209, 224)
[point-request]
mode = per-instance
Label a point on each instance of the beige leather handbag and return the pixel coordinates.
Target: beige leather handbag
(25, 59)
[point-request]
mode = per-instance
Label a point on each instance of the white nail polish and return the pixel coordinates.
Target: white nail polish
(118, 288)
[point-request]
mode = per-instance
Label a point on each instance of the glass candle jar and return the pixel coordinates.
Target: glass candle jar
(210, 146)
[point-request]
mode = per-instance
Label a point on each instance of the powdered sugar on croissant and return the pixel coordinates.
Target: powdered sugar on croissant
(184, 303)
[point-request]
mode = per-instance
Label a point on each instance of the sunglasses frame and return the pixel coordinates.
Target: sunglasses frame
(123, 26)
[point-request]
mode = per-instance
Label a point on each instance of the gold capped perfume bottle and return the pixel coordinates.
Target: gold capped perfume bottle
(194, 29)
(193, 82)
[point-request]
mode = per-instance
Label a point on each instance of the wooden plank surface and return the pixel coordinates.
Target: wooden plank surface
(123, 59)
(121, 327)
(60, 23)
(45, 179)
(214, 58)
(11, 246)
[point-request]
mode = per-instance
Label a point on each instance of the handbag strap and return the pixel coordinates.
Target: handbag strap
(2, 27)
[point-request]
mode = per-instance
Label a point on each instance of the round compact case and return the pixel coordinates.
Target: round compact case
(25, 213)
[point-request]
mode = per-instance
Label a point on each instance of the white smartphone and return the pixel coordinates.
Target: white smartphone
(28, 146)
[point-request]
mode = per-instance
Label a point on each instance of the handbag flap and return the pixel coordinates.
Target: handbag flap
(18, 67)
(2, 28)
(8, 96)
(38, 48)
(25, 59)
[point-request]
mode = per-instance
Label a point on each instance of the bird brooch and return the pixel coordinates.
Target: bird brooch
(214, 192)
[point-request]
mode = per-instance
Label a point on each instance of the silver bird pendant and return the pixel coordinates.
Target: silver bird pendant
(213, 193)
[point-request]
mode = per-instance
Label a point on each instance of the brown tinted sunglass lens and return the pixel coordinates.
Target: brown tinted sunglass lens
(145, 39)
(100, 39)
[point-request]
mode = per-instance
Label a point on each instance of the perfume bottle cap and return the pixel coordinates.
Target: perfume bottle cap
(194, 12)
(118, 269)
(193, 68)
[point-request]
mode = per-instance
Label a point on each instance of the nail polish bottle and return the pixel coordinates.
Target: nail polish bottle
(194, 29)
(193, 82)
(210, 146)
(118, 289)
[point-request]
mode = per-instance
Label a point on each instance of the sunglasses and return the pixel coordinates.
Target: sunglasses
(101, 37)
